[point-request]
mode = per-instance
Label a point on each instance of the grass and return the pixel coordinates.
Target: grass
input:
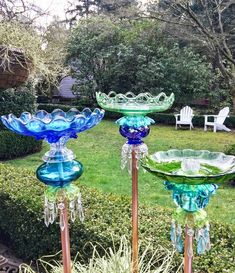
(114, 261)
(99, 151)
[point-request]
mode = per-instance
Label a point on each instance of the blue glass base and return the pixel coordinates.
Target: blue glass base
(134, 135)
(59, 174)
(191, 198)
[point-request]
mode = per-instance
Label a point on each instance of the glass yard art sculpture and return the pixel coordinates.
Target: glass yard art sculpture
(60, 167)
(134, 126)
(192, 176)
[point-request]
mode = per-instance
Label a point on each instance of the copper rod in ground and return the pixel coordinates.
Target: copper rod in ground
(65, 241)
(188, 250)
(134, 213)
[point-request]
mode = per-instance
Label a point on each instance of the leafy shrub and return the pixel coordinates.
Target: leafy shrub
(134, 56)
(16, 101)
(107, 219)
(13, 145)
(230, 149)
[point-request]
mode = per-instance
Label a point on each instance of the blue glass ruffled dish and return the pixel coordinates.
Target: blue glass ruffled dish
(53, 126)
(60, 167)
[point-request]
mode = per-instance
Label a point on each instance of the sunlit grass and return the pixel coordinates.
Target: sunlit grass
(99, 151)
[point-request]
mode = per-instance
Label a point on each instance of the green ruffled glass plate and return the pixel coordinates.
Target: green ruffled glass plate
(131, 104)
(192, 167)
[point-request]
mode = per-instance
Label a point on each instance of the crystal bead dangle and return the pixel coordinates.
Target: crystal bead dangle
(126, 157)
(61, 207)
(179, 241)
(80, 208)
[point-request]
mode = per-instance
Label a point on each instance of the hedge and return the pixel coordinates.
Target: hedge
(160, 118)
(107, 218)
(13, 145)
(16, 101)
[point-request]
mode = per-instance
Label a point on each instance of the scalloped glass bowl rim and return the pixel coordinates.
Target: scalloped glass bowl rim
(77, 114)
(129, 107)
(230, 170)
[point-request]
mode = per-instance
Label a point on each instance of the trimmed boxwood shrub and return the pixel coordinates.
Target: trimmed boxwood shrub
(14, 145)
(107, 218)
(16, 101)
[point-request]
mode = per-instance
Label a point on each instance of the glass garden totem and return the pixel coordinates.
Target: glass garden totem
(192, 176)
(60, 168)
(134, 126)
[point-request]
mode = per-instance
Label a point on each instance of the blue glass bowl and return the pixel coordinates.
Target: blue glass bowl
(53, 126)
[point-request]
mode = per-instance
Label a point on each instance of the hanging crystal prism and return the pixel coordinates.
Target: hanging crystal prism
(173, 233)
(203, 239)
(190, 233)
(80, 208)
(61, 208)
(126, 155)
(179, 241)
(72, 210)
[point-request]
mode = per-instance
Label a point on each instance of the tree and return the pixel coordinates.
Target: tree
(207, 23)
(85, 8)
(123, 56)
(20, 10)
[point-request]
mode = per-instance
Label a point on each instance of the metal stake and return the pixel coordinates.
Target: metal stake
(134, 212)
(65, 241)
(188, 250)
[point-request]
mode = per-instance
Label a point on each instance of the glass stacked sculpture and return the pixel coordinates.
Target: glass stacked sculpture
(192, 176)
(60, 168)
(134, 126)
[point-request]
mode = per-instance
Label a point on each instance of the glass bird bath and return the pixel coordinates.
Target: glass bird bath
(60, 167)
(134, 126)
(192, 176)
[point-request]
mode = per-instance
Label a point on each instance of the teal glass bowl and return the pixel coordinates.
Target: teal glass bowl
(192, 167)
(130, 104)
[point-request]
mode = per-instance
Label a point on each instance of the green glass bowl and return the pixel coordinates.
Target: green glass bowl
(192, 167)
(131, 105)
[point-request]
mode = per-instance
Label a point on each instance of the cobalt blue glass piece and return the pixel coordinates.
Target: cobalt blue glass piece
(59, 174)
(53, 126)
(191, 198)
(134, 135)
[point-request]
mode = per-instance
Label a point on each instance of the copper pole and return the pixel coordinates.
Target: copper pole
(65, 241)
(188, 250)
(134, 213)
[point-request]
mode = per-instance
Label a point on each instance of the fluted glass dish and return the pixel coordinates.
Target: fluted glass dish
(192, 167)
(55, 125)
(130, 104)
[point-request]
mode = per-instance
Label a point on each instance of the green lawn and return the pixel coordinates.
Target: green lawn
(99, 151)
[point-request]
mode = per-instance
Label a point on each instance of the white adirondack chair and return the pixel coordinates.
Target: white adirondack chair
(185, 117)
(217, 120)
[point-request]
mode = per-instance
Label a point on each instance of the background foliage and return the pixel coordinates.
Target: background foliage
(134, 56)
(17, 101)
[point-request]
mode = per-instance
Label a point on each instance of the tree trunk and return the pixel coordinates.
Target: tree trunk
(233, 91)
(233, 98)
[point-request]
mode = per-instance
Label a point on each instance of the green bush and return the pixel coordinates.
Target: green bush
(16, 101)
(13, 145)
(107, 219)
(230, 149)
